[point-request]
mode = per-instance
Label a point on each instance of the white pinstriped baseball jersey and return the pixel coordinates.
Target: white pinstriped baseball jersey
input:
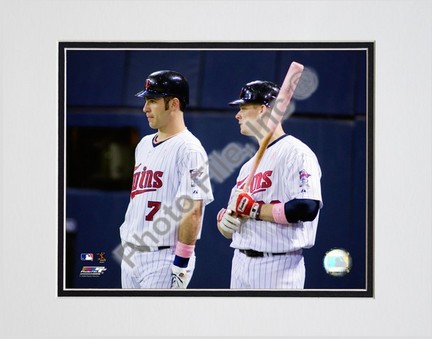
(166, 176)
(277, 271)
(288, 170)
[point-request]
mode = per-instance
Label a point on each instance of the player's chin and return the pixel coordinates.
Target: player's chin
(152, 124)
(245, 131)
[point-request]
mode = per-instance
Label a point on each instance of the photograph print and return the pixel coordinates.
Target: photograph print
(215, 169)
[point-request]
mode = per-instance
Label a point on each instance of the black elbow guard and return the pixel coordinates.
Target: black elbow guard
(301, 210)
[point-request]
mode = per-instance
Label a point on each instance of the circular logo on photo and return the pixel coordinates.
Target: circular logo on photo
(307, 84)
(337, 262)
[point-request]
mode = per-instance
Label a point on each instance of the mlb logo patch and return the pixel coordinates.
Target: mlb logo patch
(86, 256)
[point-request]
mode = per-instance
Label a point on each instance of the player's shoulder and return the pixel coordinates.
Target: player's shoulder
(295, 142)
(188, 142)
(291, 139)
(188, 136)
(297, 146)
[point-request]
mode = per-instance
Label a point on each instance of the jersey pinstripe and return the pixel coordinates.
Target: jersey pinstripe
(152, 269)
(281, 271)
(288, 170)
(167, 177)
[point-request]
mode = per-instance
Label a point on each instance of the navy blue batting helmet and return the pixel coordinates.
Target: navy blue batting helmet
(257, 92)
(166, 83)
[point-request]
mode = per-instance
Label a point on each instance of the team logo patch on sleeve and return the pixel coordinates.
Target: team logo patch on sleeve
(195, 175)
(304, 180)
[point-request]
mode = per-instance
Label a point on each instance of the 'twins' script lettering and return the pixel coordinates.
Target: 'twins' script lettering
(145, 180)
(260, 182)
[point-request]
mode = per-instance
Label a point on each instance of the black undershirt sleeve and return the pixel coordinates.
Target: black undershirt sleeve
(301, 210)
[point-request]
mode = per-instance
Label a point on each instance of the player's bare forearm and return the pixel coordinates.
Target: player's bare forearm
(190, 223)
(266, 212)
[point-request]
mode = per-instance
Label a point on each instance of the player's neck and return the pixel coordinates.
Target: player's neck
(170, 131)
(276, 134)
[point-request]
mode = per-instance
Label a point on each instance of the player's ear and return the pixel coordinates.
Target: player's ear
(262, 109)
(264, 114)
(175, 103)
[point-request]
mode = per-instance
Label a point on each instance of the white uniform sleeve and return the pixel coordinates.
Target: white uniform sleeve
(195, 179)
(304, 177)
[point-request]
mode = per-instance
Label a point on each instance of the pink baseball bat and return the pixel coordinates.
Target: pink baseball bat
(278, 110)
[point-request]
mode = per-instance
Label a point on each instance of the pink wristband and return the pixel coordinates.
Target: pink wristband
(183, 250)
(278, 212)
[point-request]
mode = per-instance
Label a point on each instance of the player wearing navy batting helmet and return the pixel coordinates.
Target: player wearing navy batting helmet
(272, 223)
(170, 189)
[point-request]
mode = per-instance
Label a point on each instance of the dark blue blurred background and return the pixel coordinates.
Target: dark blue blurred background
(105, 121)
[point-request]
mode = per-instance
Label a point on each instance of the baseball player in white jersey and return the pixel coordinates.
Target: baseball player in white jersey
(170, 189)
(277, 218)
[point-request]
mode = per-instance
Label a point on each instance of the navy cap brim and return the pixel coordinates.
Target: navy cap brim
(147, 94)
(140, 94)
(237, 102)
(244, 102)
